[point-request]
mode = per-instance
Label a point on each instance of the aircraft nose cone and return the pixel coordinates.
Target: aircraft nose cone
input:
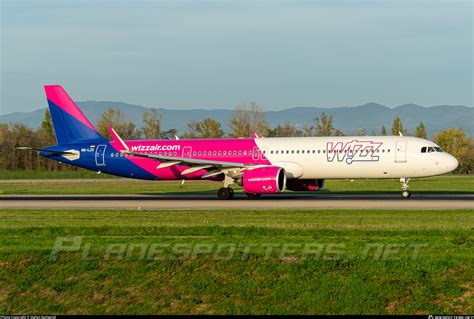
(452, 163)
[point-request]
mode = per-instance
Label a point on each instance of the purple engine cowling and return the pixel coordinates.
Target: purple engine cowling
(264, 180)
(304, 185)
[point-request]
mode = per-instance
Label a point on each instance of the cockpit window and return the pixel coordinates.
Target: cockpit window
(431, 149)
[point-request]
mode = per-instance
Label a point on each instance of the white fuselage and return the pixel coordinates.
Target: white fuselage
(356, 157)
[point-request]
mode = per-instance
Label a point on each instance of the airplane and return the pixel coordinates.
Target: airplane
(260, 165)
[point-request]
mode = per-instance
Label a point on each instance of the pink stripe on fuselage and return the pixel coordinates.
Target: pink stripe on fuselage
(240, 150)
(57, 95)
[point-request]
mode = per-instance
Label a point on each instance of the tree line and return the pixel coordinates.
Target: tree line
(246, 119)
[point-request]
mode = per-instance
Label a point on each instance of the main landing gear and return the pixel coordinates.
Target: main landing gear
(404, 184)
(225, 193)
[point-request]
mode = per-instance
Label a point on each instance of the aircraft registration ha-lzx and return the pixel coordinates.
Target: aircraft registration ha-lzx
(259, 165)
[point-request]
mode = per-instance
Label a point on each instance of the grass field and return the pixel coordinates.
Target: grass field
(211, 262)
(448, 183)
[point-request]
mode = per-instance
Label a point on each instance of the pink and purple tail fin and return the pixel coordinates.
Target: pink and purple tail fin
(70, 125)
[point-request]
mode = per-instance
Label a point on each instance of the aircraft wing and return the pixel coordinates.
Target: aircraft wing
(195, 164)
(184, 160)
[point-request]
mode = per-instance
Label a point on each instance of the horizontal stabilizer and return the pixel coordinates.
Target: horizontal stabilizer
(46, 151)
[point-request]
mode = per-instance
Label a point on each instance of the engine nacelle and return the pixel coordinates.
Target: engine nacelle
(264, 180)
(305, 185)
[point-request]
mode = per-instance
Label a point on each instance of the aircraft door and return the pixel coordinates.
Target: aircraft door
(100, 155)
(187, 151)
(256, 153)
(401, 152)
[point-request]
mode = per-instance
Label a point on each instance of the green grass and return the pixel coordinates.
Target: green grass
(448, 183)
(439, 280)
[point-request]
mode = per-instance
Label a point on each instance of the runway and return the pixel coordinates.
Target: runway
(207, 201)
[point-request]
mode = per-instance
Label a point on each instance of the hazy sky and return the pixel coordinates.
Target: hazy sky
(217, 54)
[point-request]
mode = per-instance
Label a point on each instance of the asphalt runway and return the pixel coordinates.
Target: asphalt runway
(207, 201)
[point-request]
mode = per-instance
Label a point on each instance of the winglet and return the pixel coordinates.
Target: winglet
(117, 138)
(254, 135)
(400, 133)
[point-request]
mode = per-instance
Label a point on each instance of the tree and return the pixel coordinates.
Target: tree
(207, 128)
(151, 127)
(467, 159)
(247, 120)
(286, 130)
(47, 128)
(116, 119)
(323, 126)
(421, 131)
(384, 131)
(397, 126)
(361, 131)
(455, 142)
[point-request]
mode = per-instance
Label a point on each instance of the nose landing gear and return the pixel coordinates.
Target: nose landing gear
(404, 184)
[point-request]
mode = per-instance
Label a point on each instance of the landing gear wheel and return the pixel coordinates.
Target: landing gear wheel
(253, 195)
(225, 193)
(404, 184)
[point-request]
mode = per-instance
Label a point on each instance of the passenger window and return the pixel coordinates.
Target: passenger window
(276, 152)
(287, 152)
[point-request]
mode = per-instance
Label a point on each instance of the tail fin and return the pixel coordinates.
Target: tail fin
(70, 125)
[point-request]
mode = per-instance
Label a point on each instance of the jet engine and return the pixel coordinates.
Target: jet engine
(305, 185)
(264, 180)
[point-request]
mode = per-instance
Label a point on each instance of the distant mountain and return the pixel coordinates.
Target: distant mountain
(370, 116)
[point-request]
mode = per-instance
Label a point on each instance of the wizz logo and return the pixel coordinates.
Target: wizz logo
(353, 151)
